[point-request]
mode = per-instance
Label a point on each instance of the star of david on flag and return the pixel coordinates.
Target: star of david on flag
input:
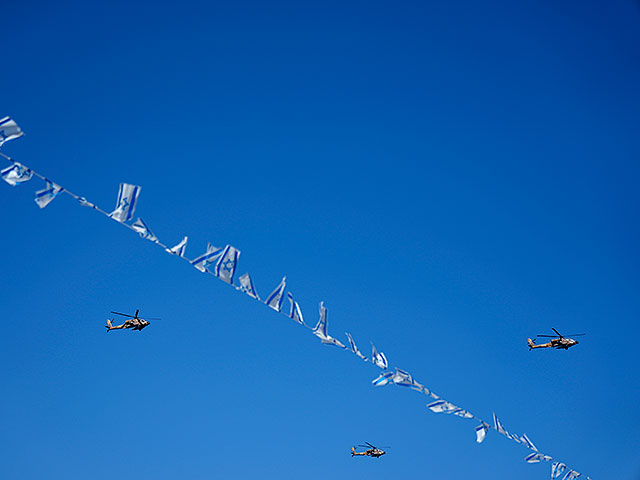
(378, 358)
(226, 266)
(126, 202)
(16, 173)
(45, 196)
(203, 261)
(247, 286)
(9, 130)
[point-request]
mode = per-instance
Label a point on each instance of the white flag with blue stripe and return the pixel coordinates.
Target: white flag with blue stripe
(481, 432)
(203, 261)
(526, 441)
(459, 412)
(226, 266)
(9, 130)
(247, 286)
(537, 457)
(441, 406)
(295, 313)
(354, 348)
(383, 379)
(570, 475)
(556, 469)
(277, 296)
(126, 202)
(378, 358)
(143, 230)
(499, 428)
(179, 249)
(16, 173)
(45, 196)
(321, 328)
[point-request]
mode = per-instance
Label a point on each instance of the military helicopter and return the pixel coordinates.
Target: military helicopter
(557, 341)
(133, 322)
(370, 452)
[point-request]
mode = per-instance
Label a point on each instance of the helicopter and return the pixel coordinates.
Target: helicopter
(557, 341)
(133, 322)
(370, 452)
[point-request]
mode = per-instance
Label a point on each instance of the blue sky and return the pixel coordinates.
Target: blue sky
(448, 178)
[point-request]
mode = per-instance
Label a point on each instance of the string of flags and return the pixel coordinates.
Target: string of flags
(222, 262)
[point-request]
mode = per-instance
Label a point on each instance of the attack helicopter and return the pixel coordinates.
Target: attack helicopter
(370, 452)
(134, 322)
(557, 341)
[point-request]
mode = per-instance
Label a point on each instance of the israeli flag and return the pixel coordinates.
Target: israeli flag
(570, 475)
(85, 203)
(499, 428)
(126, 202)
(378, 358)
(143, 230)
(295, 312)
(203, 261)
(226, 266)
(402, 378)
(383, 379)
(481, 432)
(16, 173)
(354, 348)
(247, 286)
(537, 457)
(320, 329)
(179, 249)
(45, 196)
(441, 406)
(556, 469)
(528, 443)
(9, 130)
(277, 296)
(459, 412)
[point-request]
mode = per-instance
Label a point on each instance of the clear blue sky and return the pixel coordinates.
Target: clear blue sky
(449, 177)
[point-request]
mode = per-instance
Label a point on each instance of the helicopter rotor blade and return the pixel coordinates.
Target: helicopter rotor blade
(136, 314)
(559, 334)
(123, 314)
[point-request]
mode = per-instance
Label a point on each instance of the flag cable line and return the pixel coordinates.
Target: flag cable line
(226, 261)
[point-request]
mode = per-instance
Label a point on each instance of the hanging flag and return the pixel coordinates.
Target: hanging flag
(570, 475)
(499, 428)
(320, 329)
(383, 379)
(481, 432)
(295, 312)
(85, 203)
(203, 261)
(441, 406)
(354, 348)
(9, 130)
(246, 286)
(556, 469)
(126, 202)
(226, 266)
(45, 196)
(378, 358)
(529, 444)
(143, 230)
(402, 378)
(459, 412)
(276, 298)
(16, 173)
(536, 457)
(179, 249)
